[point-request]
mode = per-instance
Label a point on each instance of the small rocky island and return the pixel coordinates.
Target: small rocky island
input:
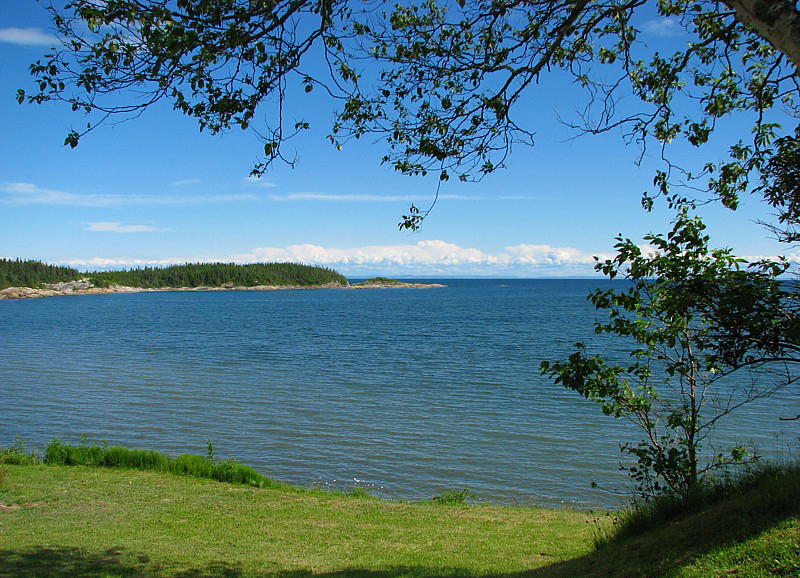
(30, 279)
(384, 283)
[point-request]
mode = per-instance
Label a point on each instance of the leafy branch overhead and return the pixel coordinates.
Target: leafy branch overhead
(445, 85)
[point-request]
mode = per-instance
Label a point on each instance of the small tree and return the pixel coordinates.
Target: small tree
(678, 383)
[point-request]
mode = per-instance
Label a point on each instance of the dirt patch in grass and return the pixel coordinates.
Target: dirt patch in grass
(6, 507)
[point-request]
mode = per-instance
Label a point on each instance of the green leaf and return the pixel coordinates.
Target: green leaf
(72, 139)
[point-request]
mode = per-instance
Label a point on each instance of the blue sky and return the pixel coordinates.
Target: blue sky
(156, 191)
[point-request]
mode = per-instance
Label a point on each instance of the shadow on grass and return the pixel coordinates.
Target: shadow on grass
(74, 562)
(52, 562)
(59, 562)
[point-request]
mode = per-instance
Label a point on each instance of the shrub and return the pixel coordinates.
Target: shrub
(452, 497)
(18, 455)
(358, 493)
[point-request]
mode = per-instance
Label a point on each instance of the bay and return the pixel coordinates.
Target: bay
(405, 393)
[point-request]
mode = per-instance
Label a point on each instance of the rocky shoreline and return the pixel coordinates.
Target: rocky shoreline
(83, 287)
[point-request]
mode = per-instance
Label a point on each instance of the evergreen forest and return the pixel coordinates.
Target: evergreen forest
(25, 273)
(29, 273)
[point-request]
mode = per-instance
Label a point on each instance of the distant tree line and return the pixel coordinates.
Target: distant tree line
(23, 273)
(219, 274)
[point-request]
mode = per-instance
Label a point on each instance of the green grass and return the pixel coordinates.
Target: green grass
(90, 521)
(228, 470)
(81, 521)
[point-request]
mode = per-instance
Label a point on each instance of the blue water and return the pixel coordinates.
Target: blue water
(405, 393)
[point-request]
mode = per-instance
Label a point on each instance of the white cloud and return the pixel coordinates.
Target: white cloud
(793, 258)
(121, 262)
(20, 193)
(329, 197)
(647, 250)
(462, 197)
(31, 194)
(523, 198)
(424, 258)
(548, 255)
(184, 182)
(422, 253)
(114, 227)
(368, 198)
(433, 257)
(256, 182)
(663, 27)
(27, 37)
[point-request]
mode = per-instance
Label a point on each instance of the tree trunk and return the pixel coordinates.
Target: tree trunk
(777, 21)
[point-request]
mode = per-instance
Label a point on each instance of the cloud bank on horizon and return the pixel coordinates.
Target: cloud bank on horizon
(429, 258)
(424, 258)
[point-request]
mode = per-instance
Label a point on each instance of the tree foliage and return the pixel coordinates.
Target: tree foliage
(220, 274)
(30, 273)
(444, 83)
(697, 318)
(19, 273)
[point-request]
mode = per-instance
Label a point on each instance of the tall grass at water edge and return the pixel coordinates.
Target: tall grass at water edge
(19, 455)
(85, 454)
(16, 455)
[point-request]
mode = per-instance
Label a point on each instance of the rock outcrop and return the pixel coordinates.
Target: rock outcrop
(84, 287)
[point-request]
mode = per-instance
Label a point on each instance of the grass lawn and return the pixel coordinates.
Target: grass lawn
(83, 521)
(91, 521)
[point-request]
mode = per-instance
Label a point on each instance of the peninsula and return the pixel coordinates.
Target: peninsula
(21, 279)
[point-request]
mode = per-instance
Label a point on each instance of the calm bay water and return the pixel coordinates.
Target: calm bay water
(402, 392)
